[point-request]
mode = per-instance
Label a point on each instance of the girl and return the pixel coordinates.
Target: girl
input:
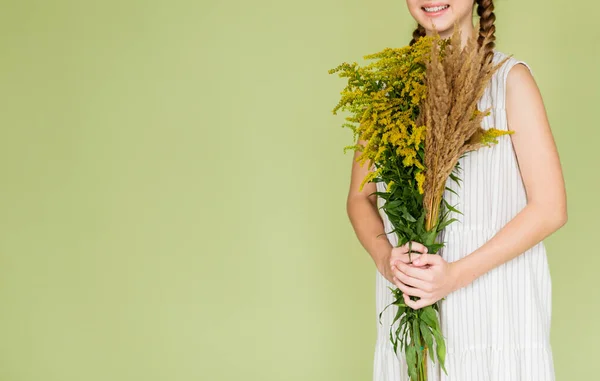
(493, 271)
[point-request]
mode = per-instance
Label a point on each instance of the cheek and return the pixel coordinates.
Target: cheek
(414, 8)
(465, 8)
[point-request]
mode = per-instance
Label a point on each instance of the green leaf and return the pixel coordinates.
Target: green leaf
(444, 214)
(451, 190)
(434, 247)
(383, 195)
(446, 223)
(427, 337)
(399, 302)
(406, 214)
(393, 340)
(430, 317)
(451, 207)
(393, 205)
(381, 313)
(411, 361)
(399, 335)
(456, 179)
(440, 348)
(404, 319)
(391, 212)
(429, 237)
(416, 333)
(399, 314)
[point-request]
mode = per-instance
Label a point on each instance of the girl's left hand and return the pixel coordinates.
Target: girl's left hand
(429, 277)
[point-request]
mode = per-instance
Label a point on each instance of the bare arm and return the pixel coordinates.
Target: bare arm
(368, 226)
(364, 216)
(537, 156)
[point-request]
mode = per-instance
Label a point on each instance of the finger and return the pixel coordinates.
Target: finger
(415, 272)
(415, 247)
(405, 258)
(409, 290)
(427, 259)
(409, 280)
(403, 253)
(416, 262)
(400, 250)
(417, 304)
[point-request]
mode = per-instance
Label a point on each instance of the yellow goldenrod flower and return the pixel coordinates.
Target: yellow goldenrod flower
(420, 177)
(389, 186)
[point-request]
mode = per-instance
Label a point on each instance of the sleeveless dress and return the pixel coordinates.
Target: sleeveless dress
(498, 327)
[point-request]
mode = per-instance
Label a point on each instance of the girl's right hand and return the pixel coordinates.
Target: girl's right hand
(401, 254)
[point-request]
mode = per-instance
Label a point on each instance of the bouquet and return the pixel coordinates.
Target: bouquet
(416, 109)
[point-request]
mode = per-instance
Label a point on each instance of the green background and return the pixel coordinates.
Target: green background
(173, 186)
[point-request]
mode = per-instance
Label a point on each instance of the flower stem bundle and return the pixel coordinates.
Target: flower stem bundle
(415, 109)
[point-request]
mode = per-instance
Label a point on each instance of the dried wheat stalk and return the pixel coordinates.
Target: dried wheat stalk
(455, 84)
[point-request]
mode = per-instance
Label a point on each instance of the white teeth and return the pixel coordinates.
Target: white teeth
(435, 9)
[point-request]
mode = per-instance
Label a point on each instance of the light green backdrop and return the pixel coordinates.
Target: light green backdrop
(173, 186)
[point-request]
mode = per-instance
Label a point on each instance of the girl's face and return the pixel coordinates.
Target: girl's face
(442, 14)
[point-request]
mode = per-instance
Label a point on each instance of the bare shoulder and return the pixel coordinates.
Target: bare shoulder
(519, 79)
(533, 143)
(524, 103)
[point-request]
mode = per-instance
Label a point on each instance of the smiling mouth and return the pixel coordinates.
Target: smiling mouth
(436, 8)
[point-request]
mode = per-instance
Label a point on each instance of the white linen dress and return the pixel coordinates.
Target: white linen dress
(498, 327)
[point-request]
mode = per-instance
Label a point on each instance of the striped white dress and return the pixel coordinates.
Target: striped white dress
(498, 327)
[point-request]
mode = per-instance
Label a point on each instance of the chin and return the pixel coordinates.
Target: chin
(443, 28)
(443, 14)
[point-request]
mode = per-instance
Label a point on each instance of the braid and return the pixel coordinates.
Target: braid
(485, 10)
(418, 33)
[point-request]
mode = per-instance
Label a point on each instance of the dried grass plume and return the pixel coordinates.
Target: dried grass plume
(456, 79)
